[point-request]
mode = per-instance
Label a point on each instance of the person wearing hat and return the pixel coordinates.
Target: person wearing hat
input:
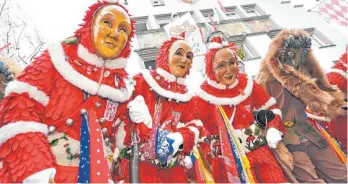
(56, 117)
(160, 114)
(241, 118)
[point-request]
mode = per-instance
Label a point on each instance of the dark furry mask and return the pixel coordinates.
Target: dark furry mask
(294, 51)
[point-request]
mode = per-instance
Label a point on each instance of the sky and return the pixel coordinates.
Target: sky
(56, 19)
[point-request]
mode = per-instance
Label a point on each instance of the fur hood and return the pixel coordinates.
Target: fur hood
(308, 84)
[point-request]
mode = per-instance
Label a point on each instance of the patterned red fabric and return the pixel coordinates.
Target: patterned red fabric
(338, 75)
(265, 167)
(65, 102)
(24, 155)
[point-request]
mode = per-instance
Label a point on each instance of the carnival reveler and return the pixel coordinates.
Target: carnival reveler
(239, 143)
(56, 118)
(337, 77)
(162, 119)
(291, 74)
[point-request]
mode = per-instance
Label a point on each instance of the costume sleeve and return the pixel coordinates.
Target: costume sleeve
(191, 127)
(123, 126)
(263, 101)
(24, 149)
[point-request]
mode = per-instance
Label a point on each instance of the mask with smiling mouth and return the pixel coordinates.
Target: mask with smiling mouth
(111, 30)
(180, 58)
(221, 60)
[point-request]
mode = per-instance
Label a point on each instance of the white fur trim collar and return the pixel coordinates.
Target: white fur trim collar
(170, 77)
(163, 92)
(268, 104)
(227, 101)
(20, 127)
(341, 72)
(216, 45)
(319, 118)
(94, 60)
(217, 85)
(79, 80)
(22, 87)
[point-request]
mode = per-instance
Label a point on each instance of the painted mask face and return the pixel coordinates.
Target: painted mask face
(225, 66)
(110, 32)
(180, 58)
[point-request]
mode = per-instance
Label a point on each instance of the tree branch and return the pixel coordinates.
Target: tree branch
(2, 7)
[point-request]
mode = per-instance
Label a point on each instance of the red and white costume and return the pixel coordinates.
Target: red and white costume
(338, 77)
(237, 101)
(40, 117)
(246, 96)
(338, 74)
(173, 99)
(337, 127)
(49, 94)
(168, 102)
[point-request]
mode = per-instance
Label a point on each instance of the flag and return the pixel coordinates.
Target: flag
(335, 10)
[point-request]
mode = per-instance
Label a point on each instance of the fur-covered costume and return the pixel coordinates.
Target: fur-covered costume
(219, 106)
(53, 107)
(295, 90)
(168, 102)
(337, 77)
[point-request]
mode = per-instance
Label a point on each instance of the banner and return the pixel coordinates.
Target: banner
(187, 24)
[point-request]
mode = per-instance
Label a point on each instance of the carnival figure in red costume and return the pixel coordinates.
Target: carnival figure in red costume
(337, 76)
(227, 101)
(56, 118)
(163, 121)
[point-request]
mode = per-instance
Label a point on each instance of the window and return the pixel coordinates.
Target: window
(163, 19)
(206, 14)
(319, 40)
(298, 6)
(231, 13)
(140, 23)
(285, 2)
(246, 51)
(157, 3)
(253, 10)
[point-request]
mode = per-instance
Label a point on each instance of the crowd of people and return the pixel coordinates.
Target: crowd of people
(75, 115)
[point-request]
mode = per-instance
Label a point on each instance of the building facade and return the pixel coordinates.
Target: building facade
(251, 24)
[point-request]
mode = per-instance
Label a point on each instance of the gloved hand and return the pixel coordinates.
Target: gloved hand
(273, 136)
(263, 117)
(175, 140)
(138, 111)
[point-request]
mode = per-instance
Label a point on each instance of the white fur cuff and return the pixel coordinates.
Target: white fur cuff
(20, 127)
(22, 87)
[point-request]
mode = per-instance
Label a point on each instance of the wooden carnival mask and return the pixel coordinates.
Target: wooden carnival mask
(180, 58)
(295, 50)
(111, 30)
(225, 66)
